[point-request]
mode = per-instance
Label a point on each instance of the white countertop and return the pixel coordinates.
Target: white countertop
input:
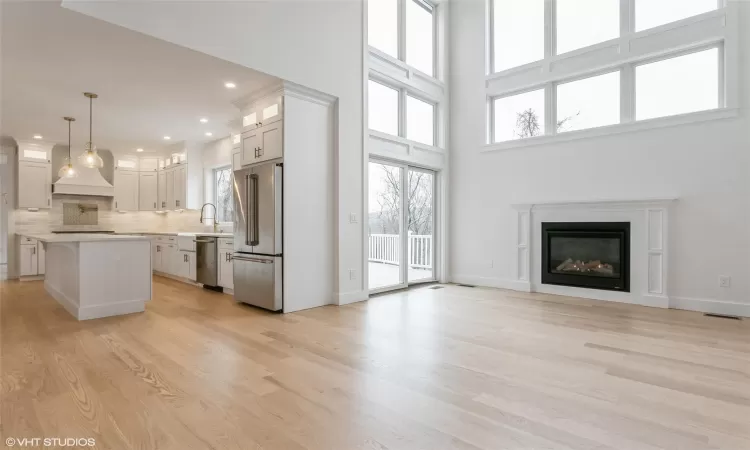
(82, 237)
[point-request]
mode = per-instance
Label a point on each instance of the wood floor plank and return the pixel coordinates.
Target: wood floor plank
(456, 368)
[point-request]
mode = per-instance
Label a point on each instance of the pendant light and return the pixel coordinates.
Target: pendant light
(89, 158)
(67, 170)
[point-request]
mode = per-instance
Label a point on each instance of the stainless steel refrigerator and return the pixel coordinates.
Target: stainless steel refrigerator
(258, 236)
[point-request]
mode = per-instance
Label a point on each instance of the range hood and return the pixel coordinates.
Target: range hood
(88, 182)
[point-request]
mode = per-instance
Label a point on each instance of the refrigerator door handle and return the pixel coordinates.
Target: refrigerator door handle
(254, 210)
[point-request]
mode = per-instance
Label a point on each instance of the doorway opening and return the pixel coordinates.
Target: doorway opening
(401, 226)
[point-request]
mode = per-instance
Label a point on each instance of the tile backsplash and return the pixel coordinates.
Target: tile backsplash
(80, 214)
(99, 215)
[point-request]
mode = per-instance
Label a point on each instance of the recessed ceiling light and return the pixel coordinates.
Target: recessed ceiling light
(166, 138)
(204, 120)
(37, 136)
(209, 134)
(230, 85)
(139, 149)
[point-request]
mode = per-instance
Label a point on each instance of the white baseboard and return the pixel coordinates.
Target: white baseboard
(31, 278)
(95, 311)
(350, 297)
(62, 299)
(710, 306)
(689, 304)
(115, 309)
(493, 282)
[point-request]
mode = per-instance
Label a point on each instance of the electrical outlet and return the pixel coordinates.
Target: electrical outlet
(352, 274)
(725, 281)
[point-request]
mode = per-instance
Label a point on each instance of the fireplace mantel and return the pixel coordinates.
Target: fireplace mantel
(648, 244)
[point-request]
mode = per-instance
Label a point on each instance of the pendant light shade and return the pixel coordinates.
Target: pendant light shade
(90, 158)
(67, 170)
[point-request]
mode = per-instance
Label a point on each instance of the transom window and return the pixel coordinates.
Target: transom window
(405, 30)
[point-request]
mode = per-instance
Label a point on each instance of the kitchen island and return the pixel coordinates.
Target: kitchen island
(98, 275)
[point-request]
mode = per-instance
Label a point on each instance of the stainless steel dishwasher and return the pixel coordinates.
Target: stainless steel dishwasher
(207, 262)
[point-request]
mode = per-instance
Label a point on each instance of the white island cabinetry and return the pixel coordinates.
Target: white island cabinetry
(95, 275)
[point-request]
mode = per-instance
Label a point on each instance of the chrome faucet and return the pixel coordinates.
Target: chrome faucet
(216, 224)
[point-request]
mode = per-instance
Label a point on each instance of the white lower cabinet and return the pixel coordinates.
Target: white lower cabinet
(32, 257)
(185, 265)
(29, 261)
(226, 269)
(40, 259)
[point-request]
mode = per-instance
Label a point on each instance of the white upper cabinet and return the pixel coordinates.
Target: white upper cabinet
(126, 190)
(34, 184)
(180, 186)
(263, 112)
(34, 152)
(169, 177)
(271, 141)
(162, 190)
(270, 110)
(34, 175)
(250, 147)
(148, 195)
(149, 164)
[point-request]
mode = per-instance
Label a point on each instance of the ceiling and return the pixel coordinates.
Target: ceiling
(147, 88)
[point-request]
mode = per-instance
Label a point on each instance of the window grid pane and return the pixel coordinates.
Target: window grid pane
(383, 108)
(420, 121)
(679, 85)
(382, 25)
(652, 13)
(419, 37)
(518, 33)
(581, 23)
(519, 116)
(588, 103)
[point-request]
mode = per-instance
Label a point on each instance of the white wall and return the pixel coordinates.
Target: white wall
(704, 164)
(318, 44)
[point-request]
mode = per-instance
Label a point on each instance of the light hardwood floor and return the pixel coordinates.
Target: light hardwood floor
(456, 368)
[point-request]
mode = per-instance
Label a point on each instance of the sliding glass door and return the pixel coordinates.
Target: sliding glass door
(401, 222)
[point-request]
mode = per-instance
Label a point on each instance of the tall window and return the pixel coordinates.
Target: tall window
(223, 189)
(652, 13)
(678, 85)
(382, 25)
(518, 32)
(575, 27)
(388, 107)
(588, 103)
(552, 91)
(383, 108)
(420, 120)
(405, 30)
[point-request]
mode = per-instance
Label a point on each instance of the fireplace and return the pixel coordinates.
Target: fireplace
(594, 255)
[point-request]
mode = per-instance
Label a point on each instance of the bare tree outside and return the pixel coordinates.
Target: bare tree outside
(419, 196)
(224, 202)
(528, 123)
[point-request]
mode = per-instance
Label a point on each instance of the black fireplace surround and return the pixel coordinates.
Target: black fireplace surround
(594, 255)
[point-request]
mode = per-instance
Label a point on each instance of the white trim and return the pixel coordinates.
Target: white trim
(681, 303)
(610, 130)
(95, 311)
(348, 298)
(710, 306)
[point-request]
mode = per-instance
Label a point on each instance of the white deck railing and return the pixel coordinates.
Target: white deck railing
(386, 248)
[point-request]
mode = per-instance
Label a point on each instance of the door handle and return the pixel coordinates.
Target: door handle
(154, 205)
(255, 260)
(203, 242)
